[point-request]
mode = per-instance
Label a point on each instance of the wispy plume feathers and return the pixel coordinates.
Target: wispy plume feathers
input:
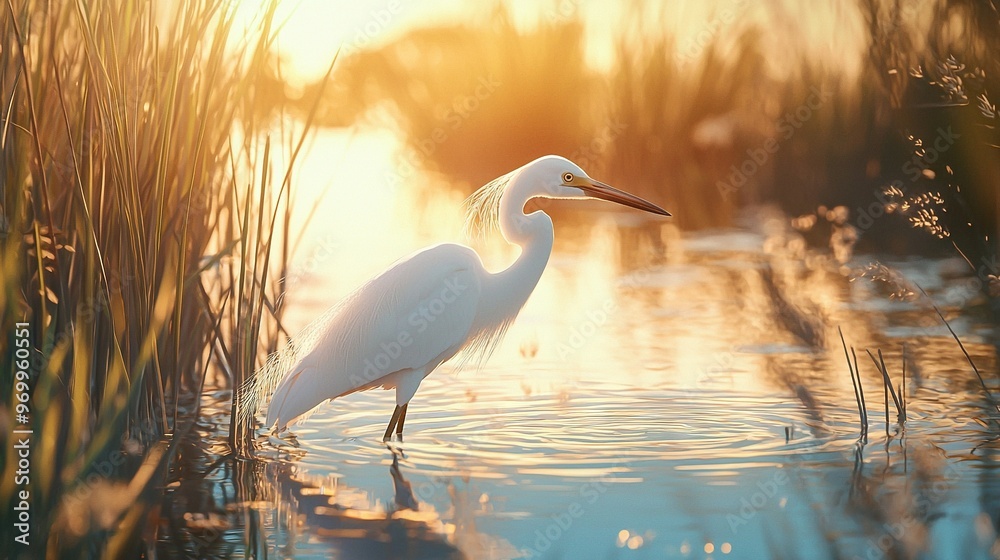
(259, 387)
(482, 208)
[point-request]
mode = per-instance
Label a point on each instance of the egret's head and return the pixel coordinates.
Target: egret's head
(546, 177)
(561, 178)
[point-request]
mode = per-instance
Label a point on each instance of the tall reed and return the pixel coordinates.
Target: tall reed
(137, 236)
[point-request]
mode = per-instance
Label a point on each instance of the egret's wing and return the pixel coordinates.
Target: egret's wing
(411, 317)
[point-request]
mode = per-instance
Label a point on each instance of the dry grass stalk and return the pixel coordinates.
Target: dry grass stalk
(859, 394)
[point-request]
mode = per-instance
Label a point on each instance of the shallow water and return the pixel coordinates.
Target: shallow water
(650, 402)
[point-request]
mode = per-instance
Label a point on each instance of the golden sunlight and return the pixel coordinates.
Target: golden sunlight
(699, 278)
(312, 31)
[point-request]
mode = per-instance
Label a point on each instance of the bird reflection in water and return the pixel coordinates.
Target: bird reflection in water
(353, 527)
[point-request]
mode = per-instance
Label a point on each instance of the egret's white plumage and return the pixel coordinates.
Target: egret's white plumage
(389, 333)
(398, 327)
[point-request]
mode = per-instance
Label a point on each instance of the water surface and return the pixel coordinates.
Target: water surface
(662, 395)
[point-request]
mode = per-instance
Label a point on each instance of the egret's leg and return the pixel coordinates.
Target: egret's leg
(402, 418)
(392, 423)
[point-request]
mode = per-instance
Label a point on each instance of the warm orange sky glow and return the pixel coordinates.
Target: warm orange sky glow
(315, 29)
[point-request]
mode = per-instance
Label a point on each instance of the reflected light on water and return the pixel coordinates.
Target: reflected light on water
(668, 399)
(660, 394)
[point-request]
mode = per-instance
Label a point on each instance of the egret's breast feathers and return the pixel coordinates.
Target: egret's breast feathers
(421, 308)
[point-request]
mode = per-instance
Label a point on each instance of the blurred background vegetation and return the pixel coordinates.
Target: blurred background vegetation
(752, 107)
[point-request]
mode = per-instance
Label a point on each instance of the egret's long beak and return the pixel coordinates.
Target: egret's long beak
(603, 191)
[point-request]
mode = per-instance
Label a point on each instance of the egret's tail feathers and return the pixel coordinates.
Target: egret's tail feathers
(280, 422)
(283, 408)
(258, 388)
(255, 391)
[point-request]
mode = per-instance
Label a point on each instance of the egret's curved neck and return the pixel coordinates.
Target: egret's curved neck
(533, 232)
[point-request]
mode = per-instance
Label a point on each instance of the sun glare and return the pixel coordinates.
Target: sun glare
(312, 31)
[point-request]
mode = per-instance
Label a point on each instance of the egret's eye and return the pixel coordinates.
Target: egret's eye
(567, 177)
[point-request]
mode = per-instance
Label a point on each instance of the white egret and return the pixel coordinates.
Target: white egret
(393, 331)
